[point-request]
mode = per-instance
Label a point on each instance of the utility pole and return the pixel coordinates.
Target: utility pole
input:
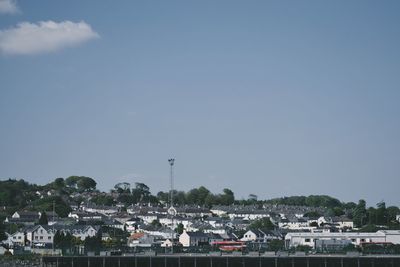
(171, 209)
(54, 210)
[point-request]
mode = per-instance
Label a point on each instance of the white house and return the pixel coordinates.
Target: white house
(44, 234)
(16, 239)
(148, 217)
(343, 222)
(189, 239)
(173, 223)
(105, 210)
(249, 214)
(295, 224)
(38, 234)
(260, 236)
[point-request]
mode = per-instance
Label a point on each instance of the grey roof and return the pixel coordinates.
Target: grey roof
(197, 234)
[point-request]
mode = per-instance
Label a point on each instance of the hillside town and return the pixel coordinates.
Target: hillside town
(156, 225)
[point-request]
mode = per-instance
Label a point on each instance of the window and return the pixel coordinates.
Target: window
(362, 240)
(41, 231)
(353, 240)
(307, 240)
(49, 238)
(41, 238)
(19, 237)
(36, 238)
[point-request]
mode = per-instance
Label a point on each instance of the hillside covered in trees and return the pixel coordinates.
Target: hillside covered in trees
(63, 193)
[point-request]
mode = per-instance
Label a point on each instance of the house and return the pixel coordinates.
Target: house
(261, 236)
(15, 239)
(140, 239)
(343, 222)
(79, 231)
(193, 212)
(189, 239)
(219, 210)
(216, 221)
(23, 217)
(249, 214)
(133, 224)
(39, 234)
(51, 215)
(173, 222)
(44, 234)
(196, 226)
(238, 224)
(217, 231)
(213, 238)
(167, 243)
(105, 210)
(295, 224)
(162, 232)
(148, 217)
(29, 217)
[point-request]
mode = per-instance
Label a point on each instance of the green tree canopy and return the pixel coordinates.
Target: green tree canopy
(263, 223)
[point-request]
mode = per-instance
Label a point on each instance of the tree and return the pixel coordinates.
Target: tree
(202, 195)
(193, 196)
(82, 183)
(71, 181)
(140, 193)
(312, 214)
(381, 215)
(58, 238)
(156, 223)
(276, 245)
(93, 243)
(43, 218)
(163, 197)
(104, 200)
(59, 183)
(61, 207)
(123, 187)
(263, 223)
(179, 229)
(360, 213)
(3, 235)
(228, 197)
(86, 184)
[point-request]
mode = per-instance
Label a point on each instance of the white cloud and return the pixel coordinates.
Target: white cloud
(8, 6)
(45, 36)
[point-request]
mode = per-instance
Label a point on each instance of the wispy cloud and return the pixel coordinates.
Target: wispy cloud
(45, 36)
(8, 7)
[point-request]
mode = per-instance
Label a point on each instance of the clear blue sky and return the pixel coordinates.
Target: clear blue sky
(274, 98)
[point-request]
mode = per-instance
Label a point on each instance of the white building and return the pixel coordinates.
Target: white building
(342, 222)
(44, 234)
(356, 238)
(173, 223)
(259, 236)
(39, 235)
(16, 239)
(295, 224)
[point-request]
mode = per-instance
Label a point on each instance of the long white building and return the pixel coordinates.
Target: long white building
(309, 239)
